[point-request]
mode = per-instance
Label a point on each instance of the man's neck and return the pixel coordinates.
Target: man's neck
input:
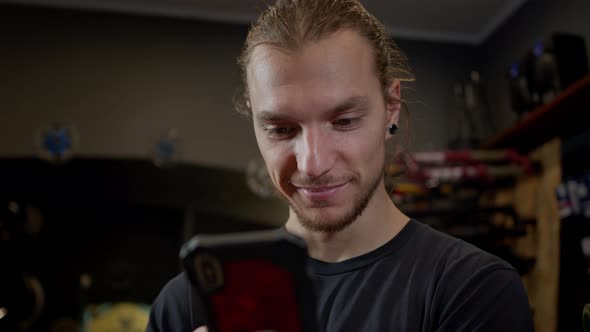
(379, 223)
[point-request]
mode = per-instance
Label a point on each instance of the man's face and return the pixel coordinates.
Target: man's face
(321, 121)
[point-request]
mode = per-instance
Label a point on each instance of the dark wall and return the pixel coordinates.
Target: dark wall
(535, 20)
(121, 79)
(438, 66)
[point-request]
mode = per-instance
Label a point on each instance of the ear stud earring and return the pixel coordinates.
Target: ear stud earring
(393, 129)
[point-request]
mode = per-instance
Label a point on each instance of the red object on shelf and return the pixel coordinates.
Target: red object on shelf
(457, 166)
(567, 115)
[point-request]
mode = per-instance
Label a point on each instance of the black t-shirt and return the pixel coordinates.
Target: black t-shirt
(421, 280)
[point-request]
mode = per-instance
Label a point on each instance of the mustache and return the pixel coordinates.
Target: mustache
(321, 181)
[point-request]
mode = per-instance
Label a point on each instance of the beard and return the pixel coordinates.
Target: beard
(336, 224)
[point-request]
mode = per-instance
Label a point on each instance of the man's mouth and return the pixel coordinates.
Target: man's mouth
(322, 193)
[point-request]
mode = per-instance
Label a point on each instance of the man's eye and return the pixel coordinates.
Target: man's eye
(346, 123)
(279, 132)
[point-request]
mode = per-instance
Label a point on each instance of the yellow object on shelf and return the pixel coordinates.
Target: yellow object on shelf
(117, 317)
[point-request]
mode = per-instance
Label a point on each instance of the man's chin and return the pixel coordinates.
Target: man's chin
(324, 220)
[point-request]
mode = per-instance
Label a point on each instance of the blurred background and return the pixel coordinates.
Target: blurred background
(119, 142)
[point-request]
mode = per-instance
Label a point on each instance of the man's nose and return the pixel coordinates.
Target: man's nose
(314, 157)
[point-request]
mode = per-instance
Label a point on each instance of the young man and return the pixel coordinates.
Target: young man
(322, 85)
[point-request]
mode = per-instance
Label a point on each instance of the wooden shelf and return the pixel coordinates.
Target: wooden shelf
(565, 116)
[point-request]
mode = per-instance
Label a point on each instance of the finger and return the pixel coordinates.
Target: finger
(201, 329)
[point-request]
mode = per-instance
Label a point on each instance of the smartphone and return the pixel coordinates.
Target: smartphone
(252, 281)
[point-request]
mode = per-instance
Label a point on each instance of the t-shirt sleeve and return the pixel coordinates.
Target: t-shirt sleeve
(171, 311)
(491, 299)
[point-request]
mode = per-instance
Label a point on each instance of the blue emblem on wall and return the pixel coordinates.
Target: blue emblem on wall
(57, 142)
(167, 149)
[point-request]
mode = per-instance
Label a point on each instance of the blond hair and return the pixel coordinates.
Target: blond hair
(289, 24)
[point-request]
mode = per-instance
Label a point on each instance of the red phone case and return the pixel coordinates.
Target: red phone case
(252, 281)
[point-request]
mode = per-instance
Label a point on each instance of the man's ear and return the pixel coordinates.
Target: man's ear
(393, 104)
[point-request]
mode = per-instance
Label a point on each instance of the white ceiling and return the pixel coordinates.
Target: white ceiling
(462, 21)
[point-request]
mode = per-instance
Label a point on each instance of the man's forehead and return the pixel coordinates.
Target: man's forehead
(323, 74)
(266, 61)
(341, 39)
(267, 52)
(264, 81)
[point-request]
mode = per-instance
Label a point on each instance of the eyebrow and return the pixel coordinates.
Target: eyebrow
(352, 102)
(270, 116)
(361, 102)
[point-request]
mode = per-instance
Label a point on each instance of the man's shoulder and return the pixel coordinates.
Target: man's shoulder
(175, 292)
(451, 253)
(472, 289)
(173, 308)
(177, 285)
